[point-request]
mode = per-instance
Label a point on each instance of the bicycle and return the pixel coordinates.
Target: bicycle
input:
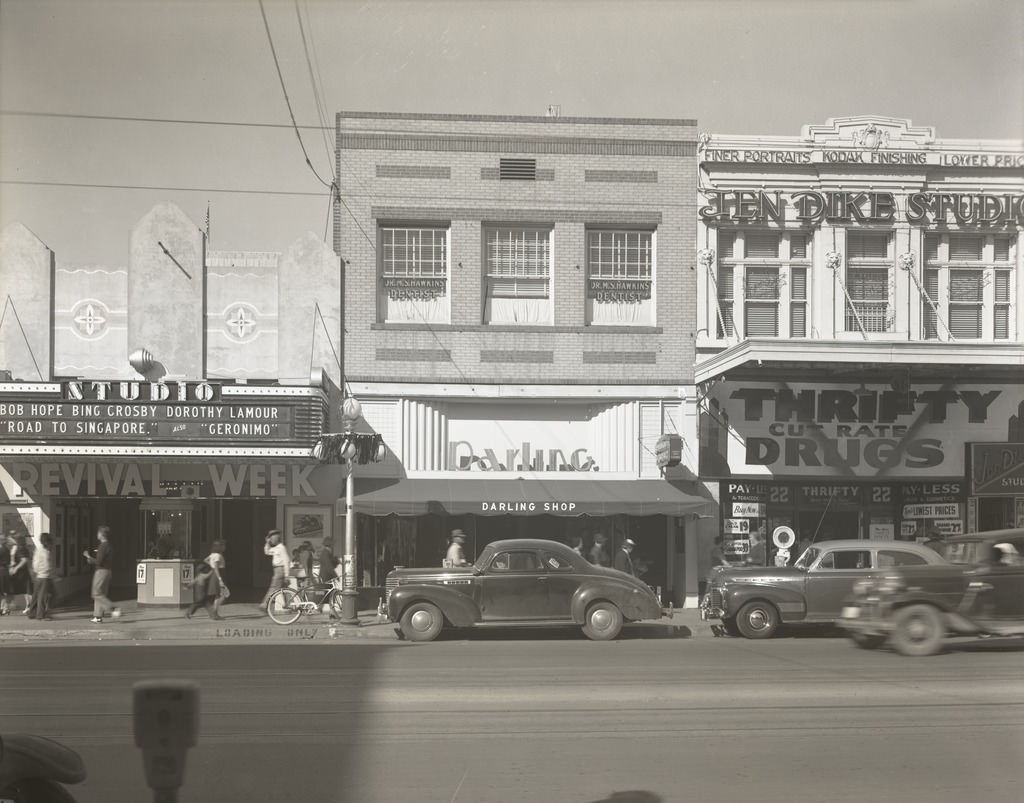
(286, 605)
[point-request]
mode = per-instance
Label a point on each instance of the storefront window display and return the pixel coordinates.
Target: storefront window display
(829, 511)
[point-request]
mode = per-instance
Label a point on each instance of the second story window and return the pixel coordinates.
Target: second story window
(970, 283)
(868, 282)
(753, 273)
(414, 275)
(620, 269)
(518, 276)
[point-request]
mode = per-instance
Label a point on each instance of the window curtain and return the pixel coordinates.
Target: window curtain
(518, 310)
(637, 313)
(417, 310)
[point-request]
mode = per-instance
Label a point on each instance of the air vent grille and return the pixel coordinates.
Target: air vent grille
(518, 169)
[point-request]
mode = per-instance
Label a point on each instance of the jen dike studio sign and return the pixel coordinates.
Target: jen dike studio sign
(789, 429)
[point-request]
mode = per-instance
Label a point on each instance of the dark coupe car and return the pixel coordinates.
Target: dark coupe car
(979, 591)
(519, 582)
(753, 601)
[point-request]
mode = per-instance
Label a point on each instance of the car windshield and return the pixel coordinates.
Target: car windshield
(485, 558)
(805, 560)
(964, 551)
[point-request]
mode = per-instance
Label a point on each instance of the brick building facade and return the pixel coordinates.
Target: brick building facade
(519, 328)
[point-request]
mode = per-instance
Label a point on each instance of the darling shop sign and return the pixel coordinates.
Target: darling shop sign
(779, 429)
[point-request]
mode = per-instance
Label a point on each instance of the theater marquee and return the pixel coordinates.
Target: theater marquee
(79, 415)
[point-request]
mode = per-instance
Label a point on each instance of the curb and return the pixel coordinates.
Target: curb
(252, 628)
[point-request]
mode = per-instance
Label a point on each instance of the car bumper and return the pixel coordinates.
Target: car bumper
(864, 619)
(710, 610)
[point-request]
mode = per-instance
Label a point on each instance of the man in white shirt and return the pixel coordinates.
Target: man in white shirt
(42, 568)
(280, 560)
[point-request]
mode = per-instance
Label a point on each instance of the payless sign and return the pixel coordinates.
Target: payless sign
(799, 430)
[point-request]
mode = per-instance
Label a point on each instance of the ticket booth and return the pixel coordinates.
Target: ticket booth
(164, 576)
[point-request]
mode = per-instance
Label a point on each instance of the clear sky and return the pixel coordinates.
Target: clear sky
(134, 102)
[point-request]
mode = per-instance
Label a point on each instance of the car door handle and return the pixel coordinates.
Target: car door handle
(543, 579)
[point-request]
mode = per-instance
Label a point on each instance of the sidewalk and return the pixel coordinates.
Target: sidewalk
(244, 622)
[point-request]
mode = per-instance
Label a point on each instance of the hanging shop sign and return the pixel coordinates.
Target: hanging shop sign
(812, 207)
(997, 469)
(781, 429)
(668, 450)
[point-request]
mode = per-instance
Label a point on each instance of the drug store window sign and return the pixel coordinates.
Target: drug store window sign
(789, 429)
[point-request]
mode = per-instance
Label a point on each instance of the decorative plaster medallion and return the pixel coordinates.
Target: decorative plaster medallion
(240, 321)
(90, 318)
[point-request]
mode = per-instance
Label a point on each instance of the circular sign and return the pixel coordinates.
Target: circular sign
(783, 537)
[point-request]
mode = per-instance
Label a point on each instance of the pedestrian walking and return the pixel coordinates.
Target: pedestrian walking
(213, 590)
(280, 561)
(305, 558)
(328, 561)
(598, 552)
(756, 555)
(718, 557)
(623, 559)
(101, 561)
(456, 555)
(6, 544)
(20, 578)
(42, 566)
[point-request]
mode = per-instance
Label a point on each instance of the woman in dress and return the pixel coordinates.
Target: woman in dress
(5, 576)
(21, 580)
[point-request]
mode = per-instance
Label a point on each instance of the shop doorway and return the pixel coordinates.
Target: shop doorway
(995, 513)
(829, 525)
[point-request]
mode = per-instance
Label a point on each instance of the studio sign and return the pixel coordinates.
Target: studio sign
(78, 390)
(863, 207)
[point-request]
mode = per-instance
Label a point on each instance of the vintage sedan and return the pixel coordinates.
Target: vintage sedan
(978, 592)
(518, 582)
(753, 601)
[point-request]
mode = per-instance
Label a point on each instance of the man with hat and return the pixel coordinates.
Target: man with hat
(280, 560)
(456, 554)
(623, 561)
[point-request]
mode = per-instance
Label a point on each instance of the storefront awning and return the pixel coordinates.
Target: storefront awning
(501, 497)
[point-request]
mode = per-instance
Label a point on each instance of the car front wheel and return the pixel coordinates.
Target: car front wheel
(757, 620)
(603, 621)
(421, 621)
(917, 630)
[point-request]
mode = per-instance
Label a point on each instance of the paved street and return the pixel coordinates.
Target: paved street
(545, 717)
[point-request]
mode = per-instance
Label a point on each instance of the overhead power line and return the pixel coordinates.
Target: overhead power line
(287, 100)
(124, 119)
(318, 194)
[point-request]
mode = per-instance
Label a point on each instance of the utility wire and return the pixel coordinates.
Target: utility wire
(317, 85)
(154, 187)
(123, 119)
(288, 103)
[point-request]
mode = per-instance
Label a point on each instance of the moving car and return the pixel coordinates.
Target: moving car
(752, 601)
(518, 582)
(979, 590)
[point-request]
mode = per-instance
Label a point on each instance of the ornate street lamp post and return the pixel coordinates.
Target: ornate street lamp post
(351, 411)
(349, 447)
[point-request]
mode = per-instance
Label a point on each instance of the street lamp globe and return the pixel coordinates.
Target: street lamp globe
(351, 410)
